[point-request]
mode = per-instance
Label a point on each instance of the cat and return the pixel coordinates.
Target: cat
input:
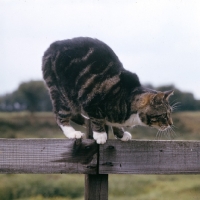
(86, 79)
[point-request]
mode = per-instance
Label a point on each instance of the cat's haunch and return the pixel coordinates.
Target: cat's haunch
(86, 80)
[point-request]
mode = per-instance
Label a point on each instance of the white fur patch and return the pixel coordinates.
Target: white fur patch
(100, 137)
(132, 121)
(84, 116)
(71, 133)
(126, 137)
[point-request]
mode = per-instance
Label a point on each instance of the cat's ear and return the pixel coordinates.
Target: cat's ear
(145, 99)
(157, 98)
(168, 94)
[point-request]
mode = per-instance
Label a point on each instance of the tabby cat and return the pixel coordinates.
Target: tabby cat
(87, 80)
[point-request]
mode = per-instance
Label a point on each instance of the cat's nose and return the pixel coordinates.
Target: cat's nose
(170, 122)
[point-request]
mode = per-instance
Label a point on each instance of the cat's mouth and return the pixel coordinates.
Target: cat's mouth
(167, 131)
(161, 128)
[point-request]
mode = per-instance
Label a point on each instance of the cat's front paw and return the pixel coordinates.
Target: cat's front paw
(100, 137)
(126, 137)
(75, 134)
(71, 133)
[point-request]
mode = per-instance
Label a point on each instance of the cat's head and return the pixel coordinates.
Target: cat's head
(155, 110)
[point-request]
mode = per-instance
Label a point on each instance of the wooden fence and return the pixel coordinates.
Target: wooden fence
(97, 161)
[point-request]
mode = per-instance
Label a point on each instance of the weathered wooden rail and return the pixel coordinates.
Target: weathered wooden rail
(97, 161)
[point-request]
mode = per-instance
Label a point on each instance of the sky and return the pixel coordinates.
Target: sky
(158, 40)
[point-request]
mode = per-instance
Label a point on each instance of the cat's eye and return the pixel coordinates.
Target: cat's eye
(164, 115)
(153, 120)
(155, 116)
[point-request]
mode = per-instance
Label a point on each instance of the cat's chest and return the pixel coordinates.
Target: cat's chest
(133, 120)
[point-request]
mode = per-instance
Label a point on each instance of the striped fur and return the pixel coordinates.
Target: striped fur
(86, 78)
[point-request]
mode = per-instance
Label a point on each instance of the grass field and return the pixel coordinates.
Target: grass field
(121, 187)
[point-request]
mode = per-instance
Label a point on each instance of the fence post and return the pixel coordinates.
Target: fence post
(96, 186)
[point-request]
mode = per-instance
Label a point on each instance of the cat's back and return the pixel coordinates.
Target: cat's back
(80, 50)
(72, 62)
(86, 71)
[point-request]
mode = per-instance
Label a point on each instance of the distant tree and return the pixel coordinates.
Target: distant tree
(35, 95)
(32, 96)
(184, 101)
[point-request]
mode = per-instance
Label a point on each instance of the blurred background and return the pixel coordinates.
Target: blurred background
(158, 40)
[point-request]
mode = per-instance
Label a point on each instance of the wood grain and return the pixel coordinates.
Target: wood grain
(149, 157)
(48, 156)
(96, 187)
(115, 157)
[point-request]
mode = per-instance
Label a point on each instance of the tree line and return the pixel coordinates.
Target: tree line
(33, 96)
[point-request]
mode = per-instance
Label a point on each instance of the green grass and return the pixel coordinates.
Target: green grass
(71, 187)
(22, 186)
(121, 187)
(26, 125)
(154, 187)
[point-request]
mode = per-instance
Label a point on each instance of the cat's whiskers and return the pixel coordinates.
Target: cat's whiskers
(173, 126)
(167, 132)
(158, 134)
(175, 106)
(173, 101)
(173, 131)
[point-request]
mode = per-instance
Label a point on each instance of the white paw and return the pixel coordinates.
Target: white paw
(71, 133)
(75, 134)
(126, 137)
(100, 137)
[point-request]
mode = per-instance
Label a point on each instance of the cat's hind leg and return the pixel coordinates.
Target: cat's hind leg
(121, 134)
(62, 112)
